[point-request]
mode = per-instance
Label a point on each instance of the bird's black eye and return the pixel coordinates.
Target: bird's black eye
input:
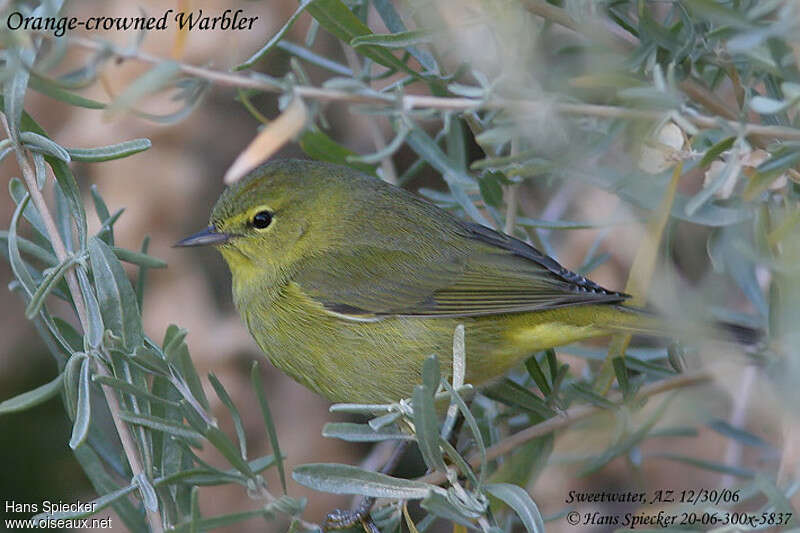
(262, 219)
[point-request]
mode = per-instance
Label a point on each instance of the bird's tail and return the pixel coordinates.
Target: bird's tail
(641, 321)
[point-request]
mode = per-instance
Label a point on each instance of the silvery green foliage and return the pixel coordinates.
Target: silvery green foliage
(560, 96)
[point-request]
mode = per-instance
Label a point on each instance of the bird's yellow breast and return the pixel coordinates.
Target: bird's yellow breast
(380, 361)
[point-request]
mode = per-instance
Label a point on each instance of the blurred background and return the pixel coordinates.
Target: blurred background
(167, 193)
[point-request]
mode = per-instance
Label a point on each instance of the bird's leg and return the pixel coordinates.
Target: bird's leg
(345, 518)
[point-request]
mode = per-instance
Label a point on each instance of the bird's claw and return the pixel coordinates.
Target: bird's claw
(343, 519)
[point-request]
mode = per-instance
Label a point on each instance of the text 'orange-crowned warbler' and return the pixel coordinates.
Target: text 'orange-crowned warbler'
(348, 283)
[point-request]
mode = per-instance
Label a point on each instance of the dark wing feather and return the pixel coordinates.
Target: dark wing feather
(506, 275)
(476, 272)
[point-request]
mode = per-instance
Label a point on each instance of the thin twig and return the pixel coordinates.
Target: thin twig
(569, 417)
(412, 101)
(125, 436)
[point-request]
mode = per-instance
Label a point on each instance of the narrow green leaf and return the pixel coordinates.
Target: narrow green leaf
(469, 418)
(426, 424)
(103, 214)
(491, 190)
(147, 492)
(72, 370)
(110, 152)
(47, 284)
(745, 437)
(206, 476)
(150, 360)
(138, 258)
(318, 145)
(535, 372)
(90, 509)
(346, 479)
(6, 147)
(351, 432)
(275, 38)
(440, 506)
(384, 420)
(269, 424)
(426, 148)
(513, 394)
(32, 249)
(431, 374)
(115, 295)
(142, 277)
(18, 266)
(17, 190)
(69, 188)
(457, 460)
(129, 388)
(40, 170)
(40, 143)
(638, 365)
(177, 353)
(194, 524)
(47, 87)
(334, 16)
(34, 397)
(715, 151)
(586, 393)
(228, 450)
(152, 81)
(224, 445)
(621, 372)
(14, 89)
(394, 23)
(160, 424)
(238, 426)
(83, 409)
(315, 59)
(519, 500)
(394, 40)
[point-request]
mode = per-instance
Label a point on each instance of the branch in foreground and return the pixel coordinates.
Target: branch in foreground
(569, 417)
(123, 430)
(410, 102)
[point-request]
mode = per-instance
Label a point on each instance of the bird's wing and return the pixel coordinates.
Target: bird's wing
(485, 273)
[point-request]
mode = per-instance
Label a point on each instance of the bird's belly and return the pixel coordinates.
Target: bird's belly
(345, 361)
(381, 361)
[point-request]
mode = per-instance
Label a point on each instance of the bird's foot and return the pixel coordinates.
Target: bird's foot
(343, 519)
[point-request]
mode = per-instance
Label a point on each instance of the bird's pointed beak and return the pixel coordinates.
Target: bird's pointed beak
(204, 238)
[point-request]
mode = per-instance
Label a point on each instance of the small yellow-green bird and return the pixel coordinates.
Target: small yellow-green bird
(348, 284)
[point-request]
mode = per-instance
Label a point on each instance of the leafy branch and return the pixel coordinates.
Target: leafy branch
(652, 126)
(410, 102)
